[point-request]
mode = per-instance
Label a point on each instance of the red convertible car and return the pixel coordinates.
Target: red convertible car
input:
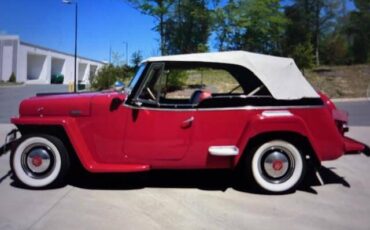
(223, 110)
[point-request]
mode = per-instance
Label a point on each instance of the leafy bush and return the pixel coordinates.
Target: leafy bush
(176, 80)
(136, 58)
(12, 78)
(303, 55)
(109, 74)
(335, 51)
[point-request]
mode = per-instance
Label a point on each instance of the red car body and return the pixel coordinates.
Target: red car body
(110, 132)
(110, 141)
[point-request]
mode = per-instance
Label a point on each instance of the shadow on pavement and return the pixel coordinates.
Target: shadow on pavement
(327, 175)
(8, 174)
(213, 180)
(366, 151)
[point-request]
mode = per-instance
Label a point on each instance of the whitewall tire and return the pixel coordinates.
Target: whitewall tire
(39, 161)
(277, 166)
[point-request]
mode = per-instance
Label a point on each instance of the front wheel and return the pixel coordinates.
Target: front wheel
(277, 166)
(39, 161)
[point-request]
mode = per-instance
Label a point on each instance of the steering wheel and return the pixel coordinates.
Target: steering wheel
(150, 93)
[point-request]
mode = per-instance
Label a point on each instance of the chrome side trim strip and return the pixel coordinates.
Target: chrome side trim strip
(231, 108)
(230, 150)
(276, 113)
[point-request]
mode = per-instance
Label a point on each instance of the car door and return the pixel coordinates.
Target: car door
(154, 132)
(216, 136)
(220, 120)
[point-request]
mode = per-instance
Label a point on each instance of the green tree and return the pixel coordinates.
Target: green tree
(109, 74)
(303, 55)
(312, 19)
(136, 58)
(254, 25)
(159, 9)
(335, 50)
(188, 27)
(297, 32)
(183, 25)
(223, 24)
(358, 28)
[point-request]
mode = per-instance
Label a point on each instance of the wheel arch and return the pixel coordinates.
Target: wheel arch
(52, 130)
(299, 140)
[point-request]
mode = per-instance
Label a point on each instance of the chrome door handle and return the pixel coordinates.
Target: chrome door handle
(187, 123)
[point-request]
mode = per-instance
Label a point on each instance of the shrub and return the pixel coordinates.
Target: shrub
(109, 74)
(303, 55)
(335, 51)
(176, 80)
(12, 78)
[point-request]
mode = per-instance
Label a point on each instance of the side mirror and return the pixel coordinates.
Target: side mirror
(119, 86)
(116, 102)
(137, 102)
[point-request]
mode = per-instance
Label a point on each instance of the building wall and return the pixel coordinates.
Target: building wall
(8, 56)
(35, 65)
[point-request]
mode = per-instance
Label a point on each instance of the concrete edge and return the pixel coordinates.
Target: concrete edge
(11, 86)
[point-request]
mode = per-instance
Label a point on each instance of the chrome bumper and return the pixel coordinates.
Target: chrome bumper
(9, 140)
(353, 146)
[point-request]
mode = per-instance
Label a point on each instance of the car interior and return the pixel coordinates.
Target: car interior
(197, 85)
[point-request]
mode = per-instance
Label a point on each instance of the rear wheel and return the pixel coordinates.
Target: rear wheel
(40, 161)
(277, 166)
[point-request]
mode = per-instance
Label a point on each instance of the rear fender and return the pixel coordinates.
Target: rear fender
(274, 122)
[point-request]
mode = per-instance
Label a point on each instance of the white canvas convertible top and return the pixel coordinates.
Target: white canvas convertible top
(280, 75)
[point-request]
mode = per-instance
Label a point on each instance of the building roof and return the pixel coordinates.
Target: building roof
(60, 52)
(280, 75)
(16, 37)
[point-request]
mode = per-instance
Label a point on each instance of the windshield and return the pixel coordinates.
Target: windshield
(135, 78)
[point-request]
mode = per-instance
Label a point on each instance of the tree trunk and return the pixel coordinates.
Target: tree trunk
(161, 29)
(317, 50)
(161, 26)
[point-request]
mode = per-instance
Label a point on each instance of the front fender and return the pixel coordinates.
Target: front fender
(72, 130)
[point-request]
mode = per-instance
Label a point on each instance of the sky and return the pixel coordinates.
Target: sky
(102, 25)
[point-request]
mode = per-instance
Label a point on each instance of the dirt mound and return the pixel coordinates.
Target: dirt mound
(341, 81)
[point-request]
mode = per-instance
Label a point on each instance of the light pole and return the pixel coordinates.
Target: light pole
(124, 42)
(69, 2)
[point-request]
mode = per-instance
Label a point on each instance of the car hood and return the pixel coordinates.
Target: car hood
(65, 104)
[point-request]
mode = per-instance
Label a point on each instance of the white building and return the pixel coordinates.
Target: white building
(34, 64)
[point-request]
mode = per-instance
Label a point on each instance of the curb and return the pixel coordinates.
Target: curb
(11, 86)
(350, 99)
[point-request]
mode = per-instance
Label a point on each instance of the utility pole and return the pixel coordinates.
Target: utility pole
(125, 42)
(76, 29)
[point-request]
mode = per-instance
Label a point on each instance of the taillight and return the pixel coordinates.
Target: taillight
(342, 126)
(327, 101)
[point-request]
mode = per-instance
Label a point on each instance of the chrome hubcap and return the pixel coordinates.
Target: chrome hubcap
(277, 165)
(38, 160)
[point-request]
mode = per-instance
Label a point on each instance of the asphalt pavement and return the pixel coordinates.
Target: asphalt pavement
(10, 97)
(359, 111)
(192, 199)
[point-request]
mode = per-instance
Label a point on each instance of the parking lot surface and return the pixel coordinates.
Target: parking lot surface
(10, 97)
(194, 199)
